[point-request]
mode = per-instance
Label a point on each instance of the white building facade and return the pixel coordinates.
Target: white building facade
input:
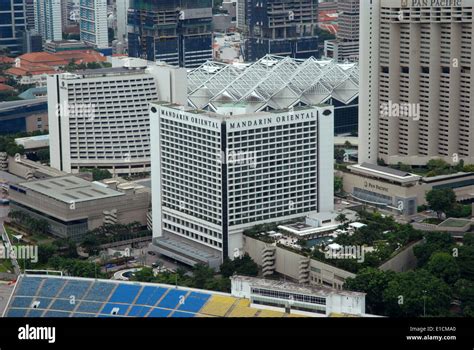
(48, 21)
(416, 81)
(215, 175)
(122, 20)
(296, 298)
(93, 22)
(99, 118)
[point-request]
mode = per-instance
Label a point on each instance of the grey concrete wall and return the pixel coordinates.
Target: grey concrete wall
(403, 261)
(287, 263)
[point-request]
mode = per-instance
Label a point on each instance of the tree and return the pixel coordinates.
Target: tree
(98, 174)
(464, 292)
(404, 167)
(243, 265)
(438, 167)
(444, 266)
(466, 262)
(338, 184)
(144, 275)
(342, 218)
(45, 252)
(441, 200)
(468, 239)
(459, 211)
(434, 242)
(373, 282)
(469, 168)
(339, 155)
(410, 293)
(201, 274)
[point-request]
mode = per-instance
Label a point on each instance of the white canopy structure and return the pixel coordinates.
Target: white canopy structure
(273, 82)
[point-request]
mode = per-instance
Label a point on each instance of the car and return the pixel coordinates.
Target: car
(151, 252)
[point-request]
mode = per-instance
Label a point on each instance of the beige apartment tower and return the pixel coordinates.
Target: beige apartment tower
(415, 81)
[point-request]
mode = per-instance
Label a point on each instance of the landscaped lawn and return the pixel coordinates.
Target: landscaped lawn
(432, 221)
(35, 238)
(451, 222)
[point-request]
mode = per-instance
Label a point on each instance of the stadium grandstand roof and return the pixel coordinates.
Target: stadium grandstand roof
(273, 82)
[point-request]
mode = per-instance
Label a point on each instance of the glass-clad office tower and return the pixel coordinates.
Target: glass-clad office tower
(12, 25)
(178, 32)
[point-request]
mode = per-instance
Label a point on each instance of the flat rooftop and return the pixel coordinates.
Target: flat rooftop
(384, 172)
(222, 116)
(71, 189)
(447, 177)
(108, 71)
(295, 287)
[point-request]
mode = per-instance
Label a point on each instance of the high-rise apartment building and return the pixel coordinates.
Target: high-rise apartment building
(93, 22)
(65, 15)
(416, 79)
(178, 32)
(12, 25)
(214, 175)
(346, 45)
(48, 19)
(30, 14)
(99, 118)
(279, 27)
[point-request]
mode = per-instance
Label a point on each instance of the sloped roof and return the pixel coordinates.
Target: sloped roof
(273, 82)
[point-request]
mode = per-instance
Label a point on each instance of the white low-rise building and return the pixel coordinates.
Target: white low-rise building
(296, 298)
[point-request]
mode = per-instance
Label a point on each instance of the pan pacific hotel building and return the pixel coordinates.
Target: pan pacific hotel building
(416, 56)
(216, 174)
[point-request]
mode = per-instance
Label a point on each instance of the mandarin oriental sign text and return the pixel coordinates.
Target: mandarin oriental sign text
(271, 120)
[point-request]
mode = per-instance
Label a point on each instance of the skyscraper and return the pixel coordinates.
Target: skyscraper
(30, 13)
(122, 20)
(214, 175)
(178, 32)
(12, 25)
(346, 45)
(93, 22)
(279, 27)
(48, 19)
(416, 81)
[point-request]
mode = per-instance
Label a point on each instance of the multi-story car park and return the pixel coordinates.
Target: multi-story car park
(416, 81)
(99, 118)
(214, 175)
